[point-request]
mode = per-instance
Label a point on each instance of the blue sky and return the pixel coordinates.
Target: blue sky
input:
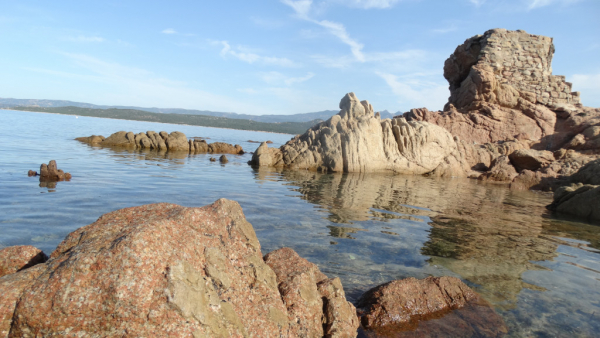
(271, 57)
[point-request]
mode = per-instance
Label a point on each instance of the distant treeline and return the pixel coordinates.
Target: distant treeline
(194, 120)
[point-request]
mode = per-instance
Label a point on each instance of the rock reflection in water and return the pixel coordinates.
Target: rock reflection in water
(505, 243)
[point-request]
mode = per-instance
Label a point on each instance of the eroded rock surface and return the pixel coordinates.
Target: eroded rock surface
(163, 141)
(16, 258)
(50, 173)
(357, 140)
(581, 195)
(316, 305)
(166, 270)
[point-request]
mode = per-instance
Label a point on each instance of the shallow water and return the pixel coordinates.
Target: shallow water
(540, 272)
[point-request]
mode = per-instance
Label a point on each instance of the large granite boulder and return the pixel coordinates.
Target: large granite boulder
(357, 140)
(581, 194)
(20, 257)
(167, 270)
(398, 308)
(531, 159)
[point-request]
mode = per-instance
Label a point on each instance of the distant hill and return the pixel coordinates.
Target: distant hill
(189, 119)
(305, 117)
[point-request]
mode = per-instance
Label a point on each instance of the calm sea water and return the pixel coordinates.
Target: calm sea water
(541, 273)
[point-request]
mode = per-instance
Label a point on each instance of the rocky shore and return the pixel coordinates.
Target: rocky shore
(162, 141)
(166, 270)
(508, 120)
(507, 117)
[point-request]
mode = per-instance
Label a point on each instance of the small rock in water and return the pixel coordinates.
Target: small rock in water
(32, 173)
(212, 159)
(50, 173)
(223, 159)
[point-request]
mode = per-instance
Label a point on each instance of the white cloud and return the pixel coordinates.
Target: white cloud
(302, 9)
(444, 30)
(533, 4)
(277, 78)
(241, 54)
(83, 38)
(477, 3)
(412, 91)
(169, 31)
(589, 86)
(367, 4)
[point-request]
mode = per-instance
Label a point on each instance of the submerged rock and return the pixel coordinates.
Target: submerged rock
(166, 270)
(223, 159)
(398, 308)
(16, 258)
(173, 142)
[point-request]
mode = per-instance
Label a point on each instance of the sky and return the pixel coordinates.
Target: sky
(271, 56)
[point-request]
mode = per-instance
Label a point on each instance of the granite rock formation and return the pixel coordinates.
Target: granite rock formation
(502, 89)
(357, 140)
(167, 270)
(16, 258)
(504, 101)
(163, 141)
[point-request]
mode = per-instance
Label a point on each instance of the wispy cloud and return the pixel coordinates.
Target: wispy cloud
(251, 58)
(477, 3)
(83, 38)
(368, 4)
(277, 78)
(533, 4)
(412, 91)
(169, 31)
(444, 30)
(302, 9)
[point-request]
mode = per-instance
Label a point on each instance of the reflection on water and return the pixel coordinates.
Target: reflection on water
(541, 273)
(504, 243)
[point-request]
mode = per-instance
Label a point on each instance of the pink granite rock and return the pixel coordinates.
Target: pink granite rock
(16, 258)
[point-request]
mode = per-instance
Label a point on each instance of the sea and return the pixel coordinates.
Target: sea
(538, 270)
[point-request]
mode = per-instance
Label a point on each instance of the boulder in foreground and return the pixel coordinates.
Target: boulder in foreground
(163, 270)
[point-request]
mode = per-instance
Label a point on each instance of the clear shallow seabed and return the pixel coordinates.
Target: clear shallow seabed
(540, 272)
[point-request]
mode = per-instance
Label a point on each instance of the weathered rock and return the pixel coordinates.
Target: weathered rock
(536, 180)
(500, 171)
(588, 174)
(156, 270)
(316, 305)
(50, 173)
(529, 159)
(16, 258)
(225, 148)
(223, 159)
(11, 289)
(402, 302)
(356, 140)
(32, 173)
(174, 142)
(212, 159)
(167, 270)
(582, 200)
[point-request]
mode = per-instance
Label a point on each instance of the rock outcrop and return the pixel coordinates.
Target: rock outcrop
(507, 120)
(167, 270)
(16, 258)
(357, 140)
(581, 194)
(403, 305)
(163, 141)
(50, 173)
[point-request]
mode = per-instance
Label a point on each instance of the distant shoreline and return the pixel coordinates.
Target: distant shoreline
(181, 124)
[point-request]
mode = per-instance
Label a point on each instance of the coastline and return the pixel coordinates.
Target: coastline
(181, 124)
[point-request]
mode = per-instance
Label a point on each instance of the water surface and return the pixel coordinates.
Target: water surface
(540, 272)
